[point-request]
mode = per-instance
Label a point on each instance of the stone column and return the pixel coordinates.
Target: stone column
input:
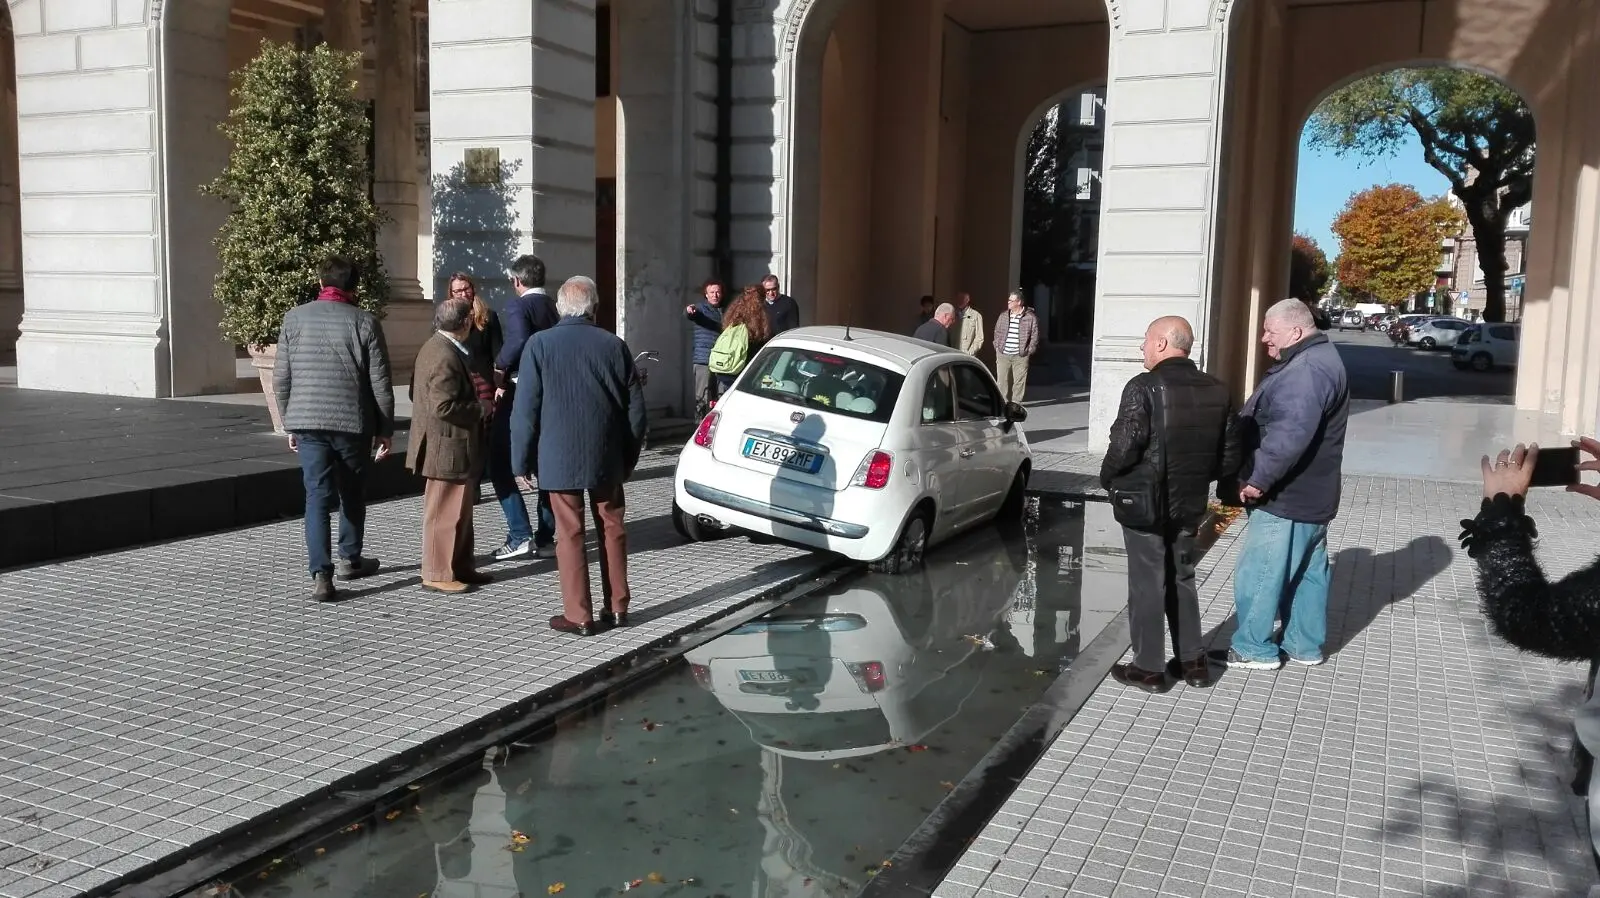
(513, 130)
(652, 263)
(341, 24)
(410, 315)
(10, 195)
(1158, 215)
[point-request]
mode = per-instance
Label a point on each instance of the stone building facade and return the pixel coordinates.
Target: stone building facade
(866, 151)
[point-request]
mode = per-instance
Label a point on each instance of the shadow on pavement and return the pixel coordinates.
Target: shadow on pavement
(1394, 576)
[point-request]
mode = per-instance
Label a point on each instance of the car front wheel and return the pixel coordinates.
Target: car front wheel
(907, 553)
(1011, 508)
(1427, 343)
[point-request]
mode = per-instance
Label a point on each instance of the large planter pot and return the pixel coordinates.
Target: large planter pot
(264, 359)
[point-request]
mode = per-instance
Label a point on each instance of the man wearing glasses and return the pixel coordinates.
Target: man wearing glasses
(783, 313)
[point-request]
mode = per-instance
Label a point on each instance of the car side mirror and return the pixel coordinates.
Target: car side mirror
(1015, 412)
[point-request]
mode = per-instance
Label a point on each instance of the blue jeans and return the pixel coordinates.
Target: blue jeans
(1282, 574)
(506, 491)
(334, 466)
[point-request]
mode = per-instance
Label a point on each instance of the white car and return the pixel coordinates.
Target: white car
(1436, 332)
(864, 443)
(866, 668)
(1484, 347)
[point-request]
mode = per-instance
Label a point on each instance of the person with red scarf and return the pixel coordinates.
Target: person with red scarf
(333, 387)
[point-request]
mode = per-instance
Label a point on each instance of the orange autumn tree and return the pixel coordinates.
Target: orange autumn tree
(1390, 240)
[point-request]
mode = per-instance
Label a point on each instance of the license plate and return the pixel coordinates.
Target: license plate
(765, 676)
(781, 454)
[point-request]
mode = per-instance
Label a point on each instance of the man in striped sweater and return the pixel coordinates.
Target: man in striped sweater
(1016, 339)
(332, 384)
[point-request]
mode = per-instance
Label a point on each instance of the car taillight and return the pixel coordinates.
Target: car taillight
(868, 675)
(702, 675)
(706, 430)
(874, 470)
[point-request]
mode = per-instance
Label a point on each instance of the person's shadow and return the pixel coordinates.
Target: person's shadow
(1363, 586)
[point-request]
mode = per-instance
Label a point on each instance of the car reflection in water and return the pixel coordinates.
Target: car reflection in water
(785, 760)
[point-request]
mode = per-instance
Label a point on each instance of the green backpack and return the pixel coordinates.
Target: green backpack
(731, 351)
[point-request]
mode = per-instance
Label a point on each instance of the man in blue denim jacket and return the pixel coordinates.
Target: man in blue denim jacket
(1293, 430)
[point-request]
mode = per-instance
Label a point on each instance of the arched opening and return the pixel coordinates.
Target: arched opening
(1415, 184)
(1058, 212)
(904, 159)
(11, 297)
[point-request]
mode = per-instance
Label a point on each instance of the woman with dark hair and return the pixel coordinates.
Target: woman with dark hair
(745, 329)
(1559, 620)
(483, 344)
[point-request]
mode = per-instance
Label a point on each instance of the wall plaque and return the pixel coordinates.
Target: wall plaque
(483, 166)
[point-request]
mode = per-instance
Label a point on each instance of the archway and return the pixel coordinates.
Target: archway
(1415, 183)
(904, 152)
(1056, 228)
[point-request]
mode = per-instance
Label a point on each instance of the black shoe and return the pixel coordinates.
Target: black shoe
(1197, 673)
(1149, 681)
(355, 568)
(322, 587)
(610, 621)
(560, 624)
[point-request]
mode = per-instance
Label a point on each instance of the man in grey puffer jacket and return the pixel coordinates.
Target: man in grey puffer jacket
(333, 387)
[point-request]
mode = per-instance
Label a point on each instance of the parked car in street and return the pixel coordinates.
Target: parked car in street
(1484, 347)
(1400, 330)
(869, 444)
(1351, 319)
(1436, 332)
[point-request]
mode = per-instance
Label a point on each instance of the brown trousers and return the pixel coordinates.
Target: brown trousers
(607, 505)
(447, 529)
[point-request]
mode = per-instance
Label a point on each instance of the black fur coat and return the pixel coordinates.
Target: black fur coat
(1557, 620)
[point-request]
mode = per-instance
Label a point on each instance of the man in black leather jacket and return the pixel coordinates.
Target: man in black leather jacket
(1199, 446)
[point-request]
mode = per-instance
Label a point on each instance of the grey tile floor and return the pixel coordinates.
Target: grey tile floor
(1425, 758)
(153, 697)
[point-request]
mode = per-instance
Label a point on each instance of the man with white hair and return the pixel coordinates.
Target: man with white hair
(937, 328)
(578, 424)
(1292, 429)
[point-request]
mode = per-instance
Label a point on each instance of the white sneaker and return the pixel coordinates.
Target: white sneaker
(513, 549)
(1243, 663)
(1306, 662)
(548, 550)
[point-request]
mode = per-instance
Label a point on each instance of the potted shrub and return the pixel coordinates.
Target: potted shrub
(296, 182)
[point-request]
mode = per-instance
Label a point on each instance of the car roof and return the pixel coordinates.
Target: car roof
(893, 350)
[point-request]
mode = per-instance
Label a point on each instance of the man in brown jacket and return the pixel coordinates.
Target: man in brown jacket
(447, 449)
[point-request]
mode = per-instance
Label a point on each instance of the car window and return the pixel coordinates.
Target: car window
(1503, 332)
(977, 398)
(824, 382)
(939, 399)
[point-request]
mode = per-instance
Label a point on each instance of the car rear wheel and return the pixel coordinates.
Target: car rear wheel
(907, 553)
(1482, 361)
(687, 527)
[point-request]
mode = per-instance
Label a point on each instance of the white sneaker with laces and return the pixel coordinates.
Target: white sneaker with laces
(513, 550)
(1236, 660)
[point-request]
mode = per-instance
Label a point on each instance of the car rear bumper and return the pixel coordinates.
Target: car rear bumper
(792, 517)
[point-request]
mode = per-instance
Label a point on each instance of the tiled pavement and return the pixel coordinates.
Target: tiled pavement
(153, 697)
(1425, 758)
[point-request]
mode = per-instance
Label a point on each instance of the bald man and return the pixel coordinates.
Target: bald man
(1293, 428)
(1172, 438)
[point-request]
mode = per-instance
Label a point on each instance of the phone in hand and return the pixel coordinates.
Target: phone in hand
(1556, 466)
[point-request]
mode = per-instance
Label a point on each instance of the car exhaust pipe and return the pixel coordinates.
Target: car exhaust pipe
(706, 520)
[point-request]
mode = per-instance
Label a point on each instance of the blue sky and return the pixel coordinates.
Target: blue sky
(1326, 182)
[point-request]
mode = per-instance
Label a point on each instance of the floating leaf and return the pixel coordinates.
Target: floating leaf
(656, 878)
(556, 888)
(394, 814)
(946, 785)
(916, 748)
(321, 851)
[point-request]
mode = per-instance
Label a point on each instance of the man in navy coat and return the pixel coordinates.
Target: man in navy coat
(531, 311)
(578, 424)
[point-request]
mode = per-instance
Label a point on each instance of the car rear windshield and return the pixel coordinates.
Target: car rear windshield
(824, 382)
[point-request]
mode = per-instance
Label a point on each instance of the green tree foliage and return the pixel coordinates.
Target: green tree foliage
(1390, 240)
(1474, 130)
(296, 183)
(1308, 269)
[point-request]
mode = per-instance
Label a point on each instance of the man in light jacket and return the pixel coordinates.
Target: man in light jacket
(1293, 430)
(331, 380)
(969, 326)
(1016, 339)
(578, 425)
